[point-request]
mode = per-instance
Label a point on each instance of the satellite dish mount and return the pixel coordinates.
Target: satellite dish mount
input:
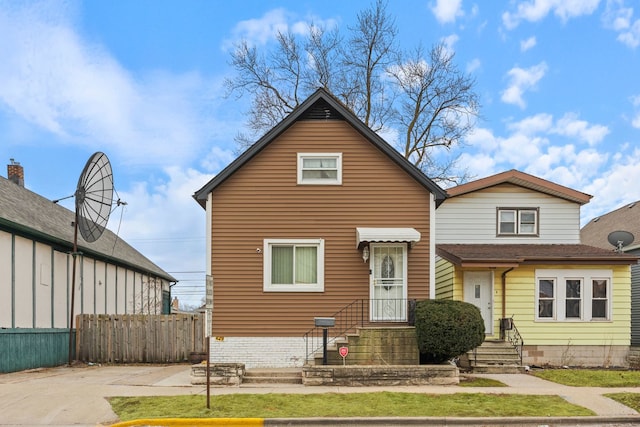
(619, 239)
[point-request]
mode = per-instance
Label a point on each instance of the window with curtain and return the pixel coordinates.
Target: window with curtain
(294, 265)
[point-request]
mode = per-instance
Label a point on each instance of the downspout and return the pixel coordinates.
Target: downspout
(504, 292)
(504, 301)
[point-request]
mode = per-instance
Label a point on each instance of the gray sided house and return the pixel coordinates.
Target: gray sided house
(36, 244)
(596, 232)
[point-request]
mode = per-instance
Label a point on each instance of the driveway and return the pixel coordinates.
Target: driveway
(73, 396)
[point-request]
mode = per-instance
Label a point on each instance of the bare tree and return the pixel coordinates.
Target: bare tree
(428, 101)
(436, 108)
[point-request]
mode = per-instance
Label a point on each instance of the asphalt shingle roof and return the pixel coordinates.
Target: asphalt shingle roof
(24, 211)
(518, 254)
(626, 218)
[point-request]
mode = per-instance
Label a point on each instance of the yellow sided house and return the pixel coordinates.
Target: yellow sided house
(510, 244)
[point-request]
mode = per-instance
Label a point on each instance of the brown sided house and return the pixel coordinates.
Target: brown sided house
(290, 222)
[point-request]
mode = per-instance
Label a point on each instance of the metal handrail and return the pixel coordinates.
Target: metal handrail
(515, 338)
(353, 316)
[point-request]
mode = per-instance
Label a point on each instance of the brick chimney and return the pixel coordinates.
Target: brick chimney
(15, 173)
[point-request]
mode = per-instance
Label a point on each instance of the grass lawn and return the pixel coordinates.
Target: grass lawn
(632, 400)
(378, 404)
(591, 377)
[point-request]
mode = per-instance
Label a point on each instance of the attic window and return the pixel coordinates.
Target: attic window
(320, 168)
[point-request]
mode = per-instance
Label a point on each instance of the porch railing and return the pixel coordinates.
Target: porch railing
(510, 333)
(357, 314)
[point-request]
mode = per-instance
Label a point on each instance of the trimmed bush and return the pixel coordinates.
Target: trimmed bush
(446, 329)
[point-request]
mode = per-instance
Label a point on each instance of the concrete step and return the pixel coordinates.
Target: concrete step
(273, 376)
(497, 369)
(495, 357)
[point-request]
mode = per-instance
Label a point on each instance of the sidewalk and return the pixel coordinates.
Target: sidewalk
(75, 396)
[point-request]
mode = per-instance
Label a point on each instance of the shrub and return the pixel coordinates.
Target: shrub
(446, 329)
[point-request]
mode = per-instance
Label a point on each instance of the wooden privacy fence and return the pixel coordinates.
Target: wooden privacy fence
(139, 338)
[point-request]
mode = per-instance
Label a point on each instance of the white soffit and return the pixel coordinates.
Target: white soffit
(367, 235)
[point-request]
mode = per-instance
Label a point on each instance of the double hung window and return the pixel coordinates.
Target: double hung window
(294, 265)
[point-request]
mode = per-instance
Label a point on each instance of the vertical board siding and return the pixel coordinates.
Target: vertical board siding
(471, 218)
(36, 279)
(262, 200)
(29, 348)
(139, 338)
(6, 282)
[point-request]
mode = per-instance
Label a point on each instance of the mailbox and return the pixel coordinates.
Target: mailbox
(325, 322)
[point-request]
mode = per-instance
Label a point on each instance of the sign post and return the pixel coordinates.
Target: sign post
(343, 352)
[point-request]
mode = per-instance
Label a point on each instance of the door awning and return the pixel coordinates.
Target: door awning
(389, 235)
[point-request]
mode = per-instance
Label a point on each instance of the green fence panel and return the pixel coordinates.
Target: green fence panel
(27, 348)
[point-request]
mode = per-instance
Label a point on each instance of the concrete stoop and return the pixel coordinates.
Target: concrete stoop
(494, 357)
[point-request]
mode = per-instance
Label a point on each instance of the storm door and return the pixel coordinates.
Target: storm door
(388, 292)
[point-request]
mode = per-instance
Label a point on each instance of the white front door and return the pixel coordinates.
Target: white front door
(478, 290)
(388, 291)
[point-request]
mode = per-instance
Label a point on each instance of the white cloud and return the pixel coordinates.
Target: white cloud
(631, 38)
(449, 42)
(527, 146)
(614, 187)
(536, 10)
(616, 16)
(619, 18)
(570, 126)
(260, 31)
(217, 159)
(532, 125)
(446, 11)
(166, 224)
(527, 44)
(76, 91)
(474, 65)
(520, 81)
(257, 32)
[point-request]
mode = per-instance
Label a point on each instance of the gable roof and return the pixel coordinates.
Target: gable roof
(524, 180)
(321, 105)
(626, 218)
(26, 213)
(514, 255)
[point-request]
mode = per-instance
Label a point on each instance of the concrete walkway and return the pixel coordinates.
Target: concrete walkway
(75, 396)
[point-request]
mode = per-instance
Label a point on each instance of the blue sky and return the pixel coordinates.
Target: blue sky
(559, 84)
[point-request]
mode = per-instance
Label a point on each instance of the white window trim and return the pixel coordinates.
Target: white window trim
(518, 222)
(266, 283)
(586, 276)
(337, 156)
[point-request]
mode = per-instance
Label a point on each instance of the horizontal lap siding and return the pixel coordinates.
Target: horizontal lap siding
(521, 304)
(472, 218)
(263, 201)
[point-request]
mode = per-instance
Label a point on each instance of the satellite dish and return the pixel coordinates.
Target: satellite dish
(94, 197)
(620, 239)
